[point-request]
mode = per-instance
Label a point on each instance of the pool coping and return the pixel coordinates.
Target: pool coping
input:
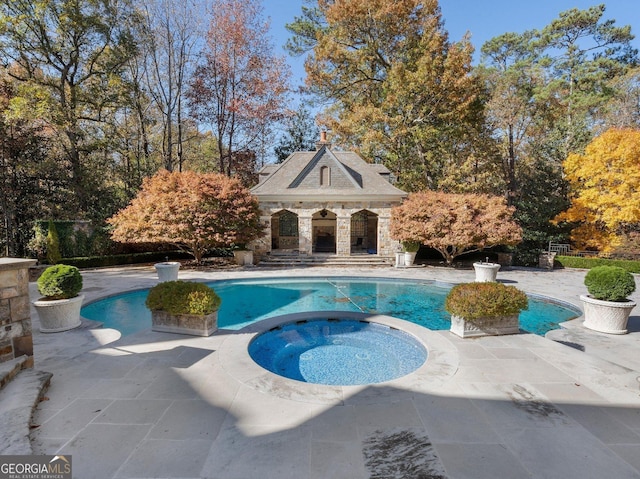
(441, 364)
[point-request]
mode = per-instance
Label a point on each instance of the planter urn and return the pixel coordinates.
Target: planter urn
(59, 314)
(486, 272)
(409, 257)
(191, 324)
(489, 326)
(243, 257)
(606, 316)
(167, 270)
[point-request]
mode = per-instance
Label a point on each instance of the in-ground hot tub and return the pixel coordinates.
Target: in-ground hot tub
(338, 351)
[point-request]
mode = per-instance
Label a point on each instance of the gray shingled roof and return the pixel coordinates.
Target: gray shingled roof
(351, 177)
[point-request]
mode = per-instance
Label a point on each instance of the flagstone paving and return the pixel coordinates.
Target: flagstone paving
(158, 405)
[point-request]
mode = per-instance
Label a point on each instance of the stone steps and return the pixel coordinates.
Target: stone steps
(21, 389)
(325, 260)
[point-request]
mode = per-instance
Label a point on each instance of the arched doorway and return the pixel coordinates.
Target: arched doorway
(364, 232)
(284, 231)
(324, 231)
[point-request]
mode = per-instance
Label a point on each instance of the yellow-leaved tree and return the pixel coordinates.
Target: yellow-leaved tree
(605, 190)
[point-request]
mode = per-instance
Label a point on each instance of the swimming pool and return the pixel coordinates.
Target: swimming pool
(247, 301)
(337, 351)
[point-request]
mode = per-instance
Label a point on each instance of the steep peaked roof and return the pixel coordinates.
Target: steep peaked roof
(299, 177)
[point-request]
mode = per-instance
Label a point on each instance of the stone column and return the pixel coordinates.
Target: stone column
(15, 317)
(343, 235)
(305, 234)
(262, 246)
(386, 245)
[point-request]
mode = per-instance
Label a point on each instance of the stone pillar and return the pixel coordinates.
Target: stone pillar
(387, 246)
(343, 235)
(15, 317)
(545, 260)
(262, 246)
(305, 234)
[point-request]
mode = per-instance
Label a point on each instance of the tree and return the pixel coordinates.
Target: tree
(173, 29)
(402, 94)
(68, 55)
(604, 184)
(623, 110)
(241, 86)
(584, 52)
(32, 185)
(511, 77)
(301, 134)
(193, 211)
(454, 224)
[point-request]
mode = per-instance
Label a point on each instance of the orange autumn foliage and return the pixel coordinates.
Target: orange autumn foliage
(192, 211)
(604, 184)
(454, 224)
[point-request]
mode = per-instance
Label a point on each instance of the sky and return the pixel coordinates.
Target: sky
(483, 19)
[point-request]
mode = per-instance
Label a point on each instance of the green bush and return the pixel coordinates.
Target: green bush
(411, 246)
(183, 297)
(588, 263)
(60, 281)
(53, 245)
(609, 283)
(480, 300)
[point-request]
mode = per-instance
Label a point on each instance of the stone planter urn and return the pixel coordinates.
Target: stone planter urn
(59, 314)
(489, 326)
(486, 272)
(607, 307)
(192, 324)
(485, 308)
(167, 270)
(243, 257)
(183, 307)
(606, 316)
(409, 257)
(59, 308)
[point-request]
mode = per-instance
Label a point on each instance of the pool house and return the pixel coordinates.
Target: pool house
(326, 202)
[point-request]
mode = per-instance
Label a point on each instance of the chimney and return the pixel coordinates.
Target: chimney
(323, 141)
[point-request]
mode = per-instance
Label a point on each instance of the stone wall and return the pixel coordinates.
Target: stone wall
(343, 211)
(15, 318)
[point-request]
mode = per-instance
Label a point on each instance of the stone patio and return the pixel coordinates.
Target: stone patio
(159, 405)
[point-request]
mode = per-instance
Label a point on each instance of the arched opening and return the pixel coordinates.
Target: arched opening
(364, 232)
(324, 231)
(284, 231)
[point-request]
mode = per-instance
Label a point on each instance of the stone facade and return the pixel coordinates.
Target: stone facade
(386, 246)
(15, 318)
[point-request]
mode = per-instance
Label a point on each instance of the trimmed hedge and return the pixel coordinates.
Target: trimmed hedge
(609, 283)
(473, 301)
(120, 259)
(183, 297)
(588, 263)
(60, 281)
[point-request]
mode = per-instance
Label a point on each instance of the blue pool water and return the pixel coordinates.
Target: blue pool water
(247, 301)
(337, 352)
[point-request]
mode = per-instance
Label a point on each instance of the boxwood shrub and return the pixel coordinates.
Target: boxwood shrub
(183, 297)
(60, 281)
(609, 283)
(473, 301)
